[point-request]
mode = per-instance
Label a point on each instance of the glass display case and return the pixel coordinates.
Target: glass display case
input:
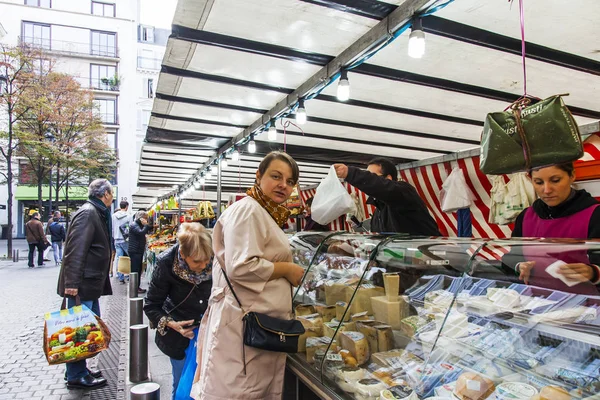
(392, 317)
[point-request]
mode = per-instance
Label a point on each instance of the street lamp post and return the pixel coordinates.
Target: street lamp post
(49, 137)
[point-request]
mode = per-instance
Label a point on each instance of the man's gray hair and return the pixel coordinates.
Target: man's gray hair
(141, 214)
(99, 187)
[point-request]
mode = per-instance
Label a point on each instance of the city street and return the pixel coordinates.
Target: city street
(26, 295)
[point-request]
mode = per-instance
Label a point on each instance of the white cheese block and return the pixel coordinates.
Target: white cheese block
(390, 312)
(456, 325)
(326, 312)
(391, 281)
(385, 337)
(357, 344)
(308, 332)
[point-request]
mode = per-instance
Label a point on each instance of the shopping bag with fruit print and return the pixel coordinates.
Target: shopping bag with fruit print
(73, 334)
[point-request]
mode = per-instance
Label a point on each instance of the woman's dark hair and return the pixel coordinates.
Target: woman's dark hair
(568, 167)
(281, 156)
(387, 167)
(309, 201)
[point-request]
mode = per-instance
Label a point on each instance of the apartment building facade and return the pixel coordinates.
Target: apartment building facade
(96, 42)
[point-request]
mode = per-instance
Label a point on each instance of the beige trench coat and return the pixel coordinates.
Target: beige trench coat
(247, 242)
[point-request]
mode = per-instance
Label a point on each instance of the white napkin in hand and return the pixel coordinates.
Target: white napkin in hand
(553, 271)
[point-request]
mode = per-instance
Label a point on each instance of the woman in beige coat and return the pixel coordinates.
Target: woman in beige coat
(249, 244)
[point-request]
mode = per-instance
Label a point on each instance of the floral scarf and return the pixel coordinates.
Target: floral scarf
(182, 270)
(279, 213)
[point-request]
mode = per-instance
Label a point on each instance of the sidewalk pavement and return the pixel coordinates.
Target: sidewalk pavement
(26, 295)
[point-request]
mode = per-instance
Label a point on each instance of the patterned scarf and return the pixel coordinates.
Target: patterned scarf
(182, 270)
(279, 213)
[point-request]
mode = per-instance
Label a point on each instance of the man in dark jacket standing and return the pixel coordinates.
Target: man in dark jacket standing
(34, 231)
(137, 243)
(399, 209)
(85, 267)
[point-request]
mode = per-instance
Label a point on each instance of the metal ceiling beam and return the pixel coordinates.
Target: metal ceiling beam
(282, 52)
(468, 34)
(199, 102)
(333, 99)
(196, 120)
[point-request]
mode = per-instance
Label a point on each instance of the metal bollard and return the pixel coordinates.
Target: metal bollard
(17, 255)
(14, 256)
(134, 283)
(138, 353)
(145, 391)
(136, 313)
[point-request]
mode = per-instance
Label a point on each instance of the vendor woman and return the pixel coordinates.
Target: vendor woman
(559, 212)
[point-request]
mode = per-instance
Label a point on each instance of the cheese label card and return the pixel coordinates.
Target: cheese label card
(553, 271)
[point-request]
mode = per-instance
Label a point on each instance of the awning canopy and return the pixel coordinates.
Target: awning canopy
(231, 66)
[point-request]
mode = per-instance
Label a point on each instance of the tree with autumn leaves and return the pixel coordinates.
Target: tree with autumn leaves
(43, 103)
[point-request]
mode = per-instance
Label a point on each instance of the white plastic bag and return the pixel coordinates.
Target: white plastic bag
(455, 193)
(331, 200)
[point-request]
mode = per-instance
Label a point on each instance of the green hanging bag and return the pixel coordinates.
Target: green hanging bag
(529, 136)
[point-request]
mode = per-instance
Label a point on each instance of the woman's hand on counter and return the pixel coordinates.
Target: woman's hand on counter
(179, 327)
(290, 271)
(525, 270)
(576, 272)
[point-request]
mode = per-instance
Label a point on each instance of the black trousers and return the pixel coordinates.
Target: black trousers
(136, 263)
(40, 249)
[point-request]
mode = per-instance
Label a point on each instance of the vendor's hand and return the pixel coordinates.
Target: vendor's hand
(144, 221)
(576, 272)
(294, 274)
(178, 326)
(341, 170)
(71, 292)
(525, 271)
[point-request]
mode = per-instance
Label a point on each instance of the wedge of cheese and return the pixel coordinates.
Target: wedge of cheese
(390, 312)
(367, 328)
(326, 312)
(359, 316)
(362, 297)
(335, 291)
(330, 327)
(315, 343)
(308, 333)
(340, 309)
(391, 281)
(304, 309)
(385, 337)
(357, 344)
(312, 322)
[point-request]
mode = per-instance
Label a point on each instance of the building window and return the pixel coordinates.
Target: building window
(106, 109)
(103, 77)
(104, 44)
(146, 34)
(36, 34)
(103, 9)
(39, 3)
(150, 88)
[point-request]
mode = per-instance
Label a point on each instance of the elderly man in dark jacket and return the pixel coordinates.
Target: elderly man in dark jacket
(36, 239)
(399, 209)
(85, 267)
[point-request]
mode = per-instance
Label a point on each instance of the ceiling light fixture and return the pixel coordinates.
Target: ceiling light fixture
(252, 146)
(416, 40)
(272, 133)
(235, 155)
(223, 162)
(301, 113)
(343, 89)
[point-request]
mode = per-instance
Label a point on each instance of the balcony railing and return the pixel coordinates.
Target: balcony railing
(98, 84)
(108, 118)
(74, 48)
(149, 63)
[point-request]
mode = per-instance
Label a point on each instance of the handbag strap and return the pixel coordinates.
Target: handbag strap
(31, 230)
(183, 301)
(524, 142)
(231, 288)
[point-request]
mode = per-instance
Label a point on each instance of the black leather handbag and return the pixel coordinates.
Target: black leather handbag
(269, 333)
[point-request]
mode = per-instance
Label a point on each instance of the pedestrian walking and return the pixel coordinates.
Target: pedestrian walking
(58, 236)
(34, 230)
(178, 296)
(84, 271)
(121, 220)
(137, 243)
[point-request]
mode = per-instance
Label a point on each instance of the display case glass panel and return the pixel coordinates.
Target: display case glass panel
(391, 317)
